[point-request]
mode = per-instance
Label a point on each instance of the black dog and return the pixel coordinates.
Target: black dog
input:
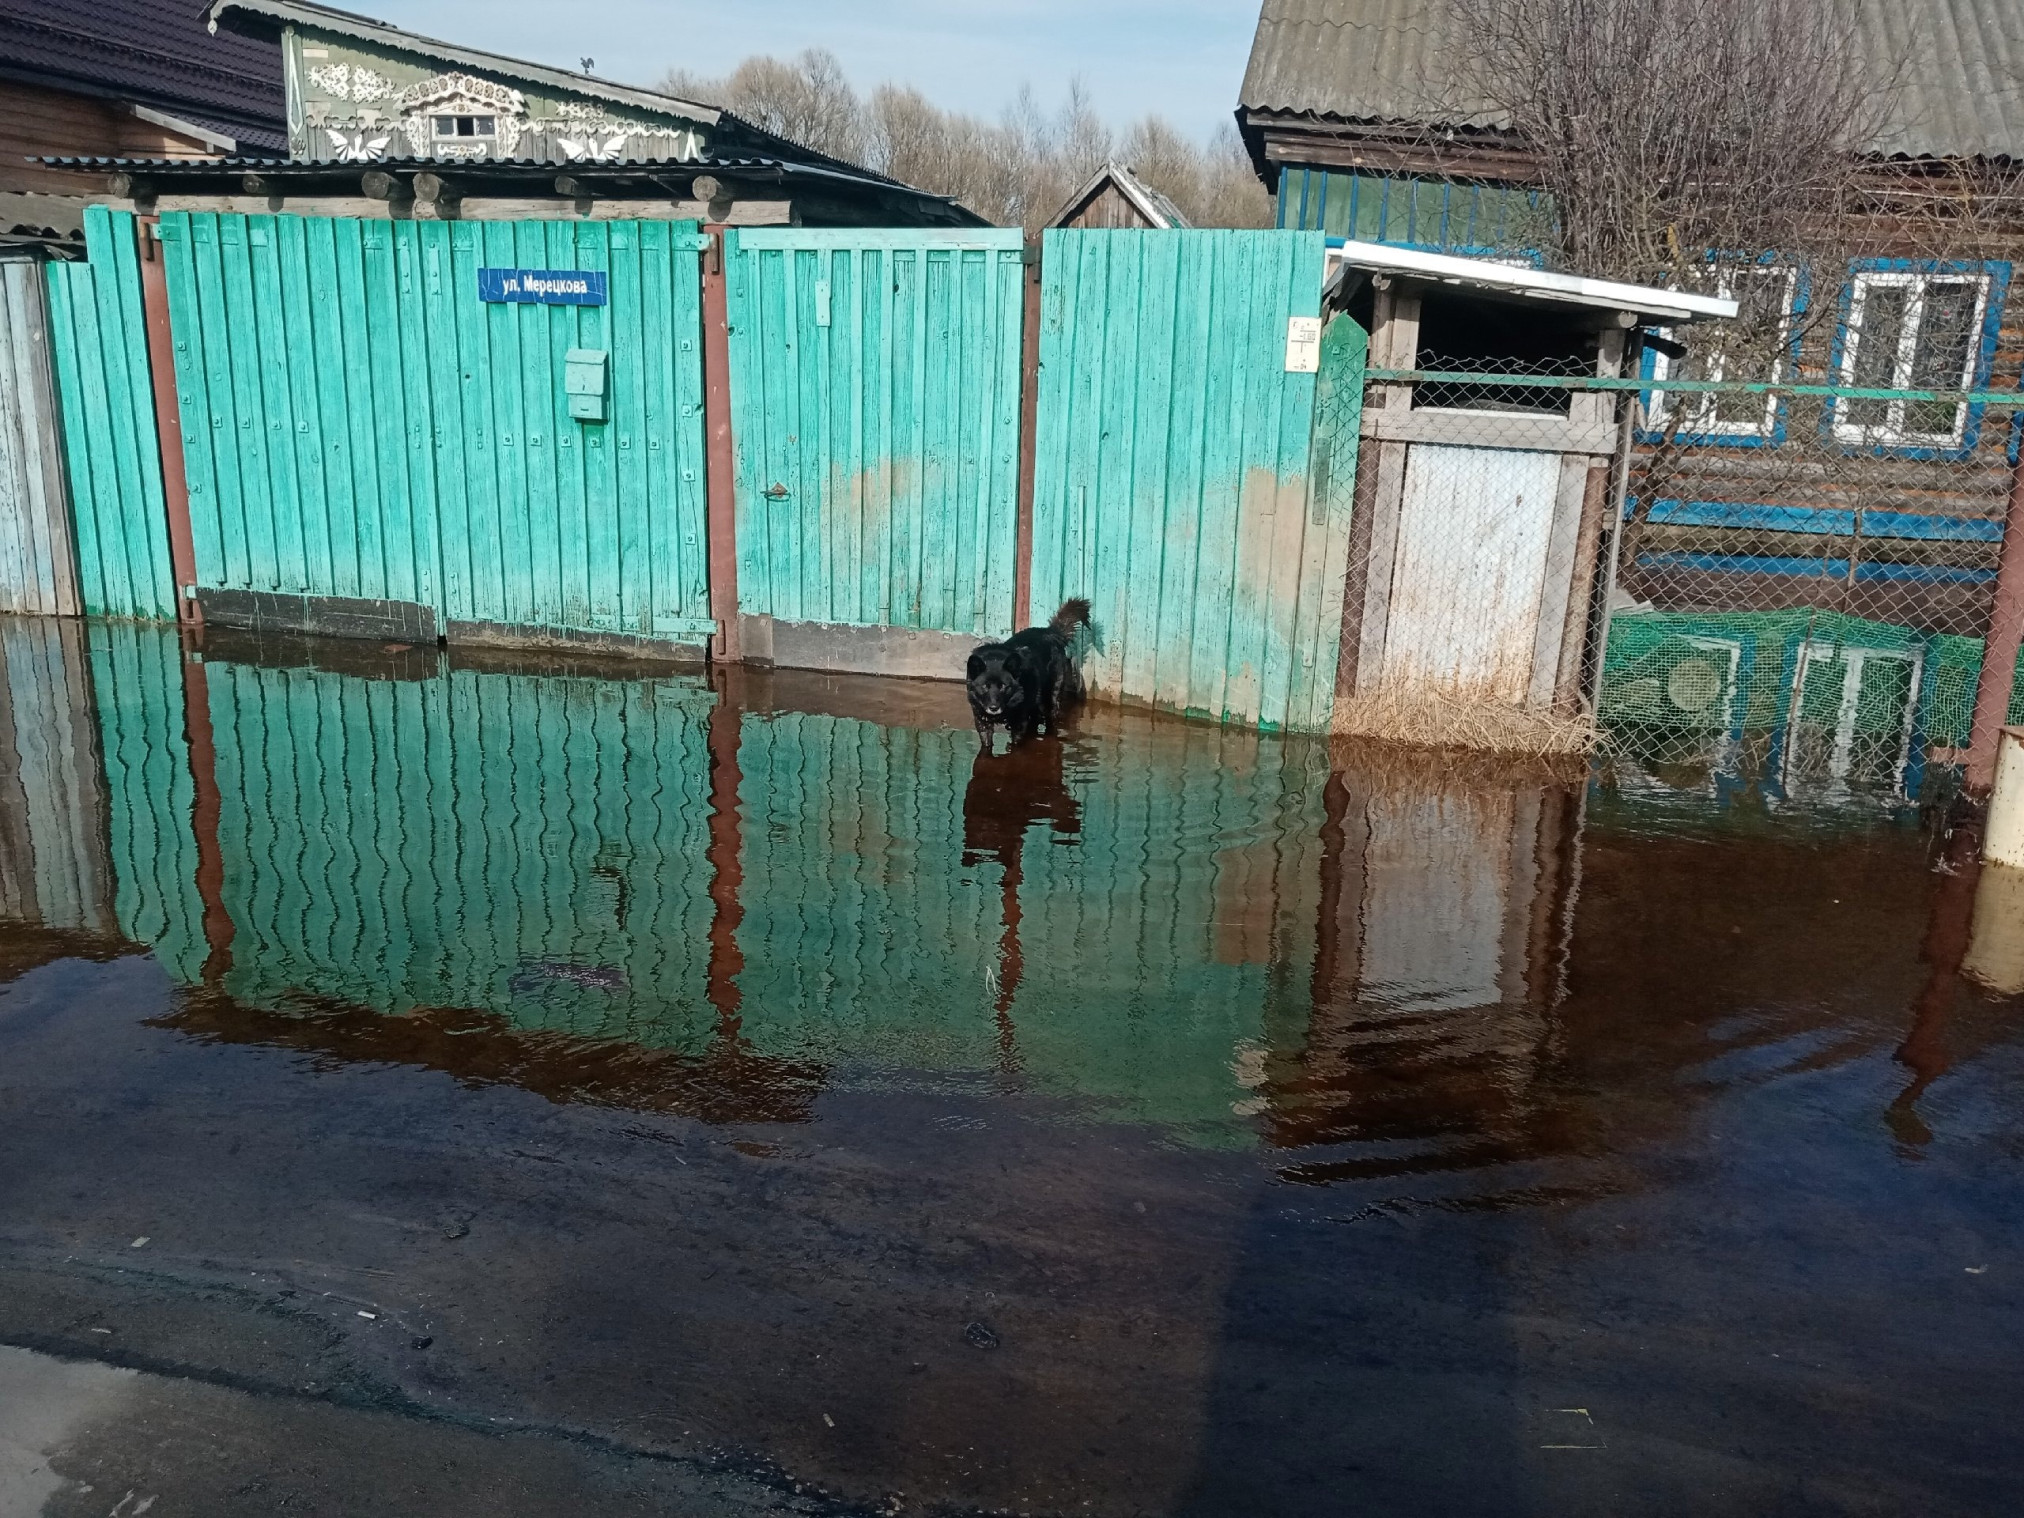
(1027, 679)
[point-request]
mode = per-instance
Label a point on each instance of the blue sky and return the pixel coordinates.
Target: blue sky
(1182, 58)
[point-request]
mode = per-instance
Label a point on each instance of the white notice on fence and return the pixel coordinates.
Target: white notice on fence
(1303, 344)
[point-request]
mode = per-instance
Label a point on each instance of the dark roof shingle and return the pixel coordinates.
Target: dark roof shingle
(158, 53)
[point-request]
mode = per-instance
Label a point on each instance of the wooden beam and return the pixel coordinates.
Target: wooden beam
(1387, 502)
(1029, 414)
(168, 423)
(1543, 431)
(720, 458)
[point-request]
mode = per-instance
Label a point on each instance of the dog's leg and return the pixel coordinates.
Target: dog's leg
(984, 735)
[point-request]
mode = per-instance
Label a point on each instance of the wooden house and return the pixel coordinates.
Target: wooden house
(1360, 116)
(1117, 197)
(121, 79)
(384, 122)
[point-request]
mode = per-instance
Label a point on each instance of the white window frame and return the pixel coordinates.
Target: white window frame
(1892, 432)
(1697, 408)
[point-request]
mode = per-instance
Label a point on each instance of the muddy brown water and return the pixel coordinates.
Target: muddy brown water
(748, 1079)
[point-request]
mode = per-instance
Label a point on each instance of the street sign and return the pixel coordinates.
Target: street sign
(547, 287)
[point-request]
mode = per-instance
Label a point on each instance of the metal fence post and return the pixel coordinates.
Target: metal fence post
(719, 459)
(1999, 648)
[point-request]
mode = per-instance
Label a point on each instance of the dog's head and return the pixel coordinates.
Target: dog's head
(996, 681)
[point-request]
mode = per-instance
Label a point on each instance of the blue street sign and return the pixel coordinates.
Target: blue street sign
(547, 287)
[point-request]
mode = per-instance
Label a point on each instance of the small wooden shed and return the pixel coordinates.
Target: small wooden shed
(1116, 197)
(1480, 508)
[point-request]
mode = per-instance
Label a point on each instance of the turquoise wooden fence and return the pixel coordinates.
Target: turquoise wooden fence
(521, 845)
(98, 341)
(358, 423)
(1172, 484)
(137, 688)
(875, 395)
(1124, 951)
(560, 857)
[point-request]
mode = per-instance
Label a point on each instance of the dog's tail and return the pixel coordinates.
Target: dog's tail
(1074, 612)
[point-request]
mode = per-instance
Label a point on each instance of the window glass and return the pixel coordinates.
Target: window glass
(1878, 333)
(1910, 330)
(1754, 346)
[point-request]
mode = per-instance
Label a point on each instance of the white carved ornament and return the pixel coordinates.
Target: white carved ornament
(342, 81)
(461, 95)
(356, 148)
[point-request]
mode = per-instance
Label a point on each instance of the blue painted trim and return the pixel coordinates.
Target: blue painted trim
(1839, 521)
(1798, 568)
(1998, 273)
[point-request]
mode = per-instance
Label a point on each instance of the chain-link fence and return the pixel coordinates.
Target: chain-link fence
(1712, 580)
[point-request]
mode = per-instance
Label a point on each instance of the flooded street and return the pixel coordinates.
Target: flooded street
(451, 1083)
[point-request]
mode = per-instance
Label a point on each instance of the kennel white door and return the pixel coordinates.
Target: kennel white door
(1469, 571)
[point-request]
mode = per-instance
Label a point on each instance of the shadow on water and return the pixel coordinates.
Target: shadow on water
(1469, 1095)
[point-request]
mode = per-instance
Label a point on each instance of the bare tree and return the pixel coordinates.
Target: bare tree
(1015, 171)
(1662, 131)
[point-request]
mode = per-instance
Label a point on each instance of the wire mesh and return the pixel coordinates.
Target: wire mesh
(1711, 581)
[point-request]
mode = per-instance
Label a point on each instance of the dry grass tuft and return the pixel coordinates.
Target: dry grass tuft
(1435, 719)
(1384, 765)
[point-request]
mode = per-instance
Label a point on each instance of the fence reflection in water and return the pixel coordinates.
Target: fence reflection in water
(721, 899)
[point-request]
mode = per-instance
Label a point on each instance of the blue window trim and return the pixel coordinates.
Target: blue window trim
(1793, 567)
(1802, 298)
(1997, 272)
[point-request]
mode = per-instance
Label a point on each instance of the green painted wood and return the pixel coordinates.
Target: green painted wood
(1152, 947)
(875, 417)
(358, 423)
(105, 396)
(523, 847)
(1172, 463)
(529, 852)
(136, 684)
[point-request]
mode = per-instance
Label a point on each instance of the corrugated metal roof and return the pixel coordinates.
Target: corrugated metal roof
(1959, 63)
(158, 54)
(281, 171)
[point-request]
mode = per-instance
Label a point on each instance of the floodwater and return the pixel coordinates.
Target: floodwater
(440, 1084)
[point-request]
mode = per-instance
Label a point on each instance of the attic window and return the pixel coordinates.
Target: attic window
(465, 126)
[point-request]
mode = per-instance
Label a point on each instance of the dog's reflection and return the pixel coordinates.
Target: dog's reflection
(1009, 793)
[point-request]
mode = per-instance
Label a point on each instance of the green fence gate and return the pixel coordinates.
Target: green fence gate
(1173, 482)
(360, 425)
(105, 397)
(875, 412)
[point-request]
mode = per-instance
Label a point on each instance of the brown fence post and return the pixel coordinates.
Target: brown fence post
(168, 421)
(1999, 649)
(719, 460)
(206, 812)
(1029, 414)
